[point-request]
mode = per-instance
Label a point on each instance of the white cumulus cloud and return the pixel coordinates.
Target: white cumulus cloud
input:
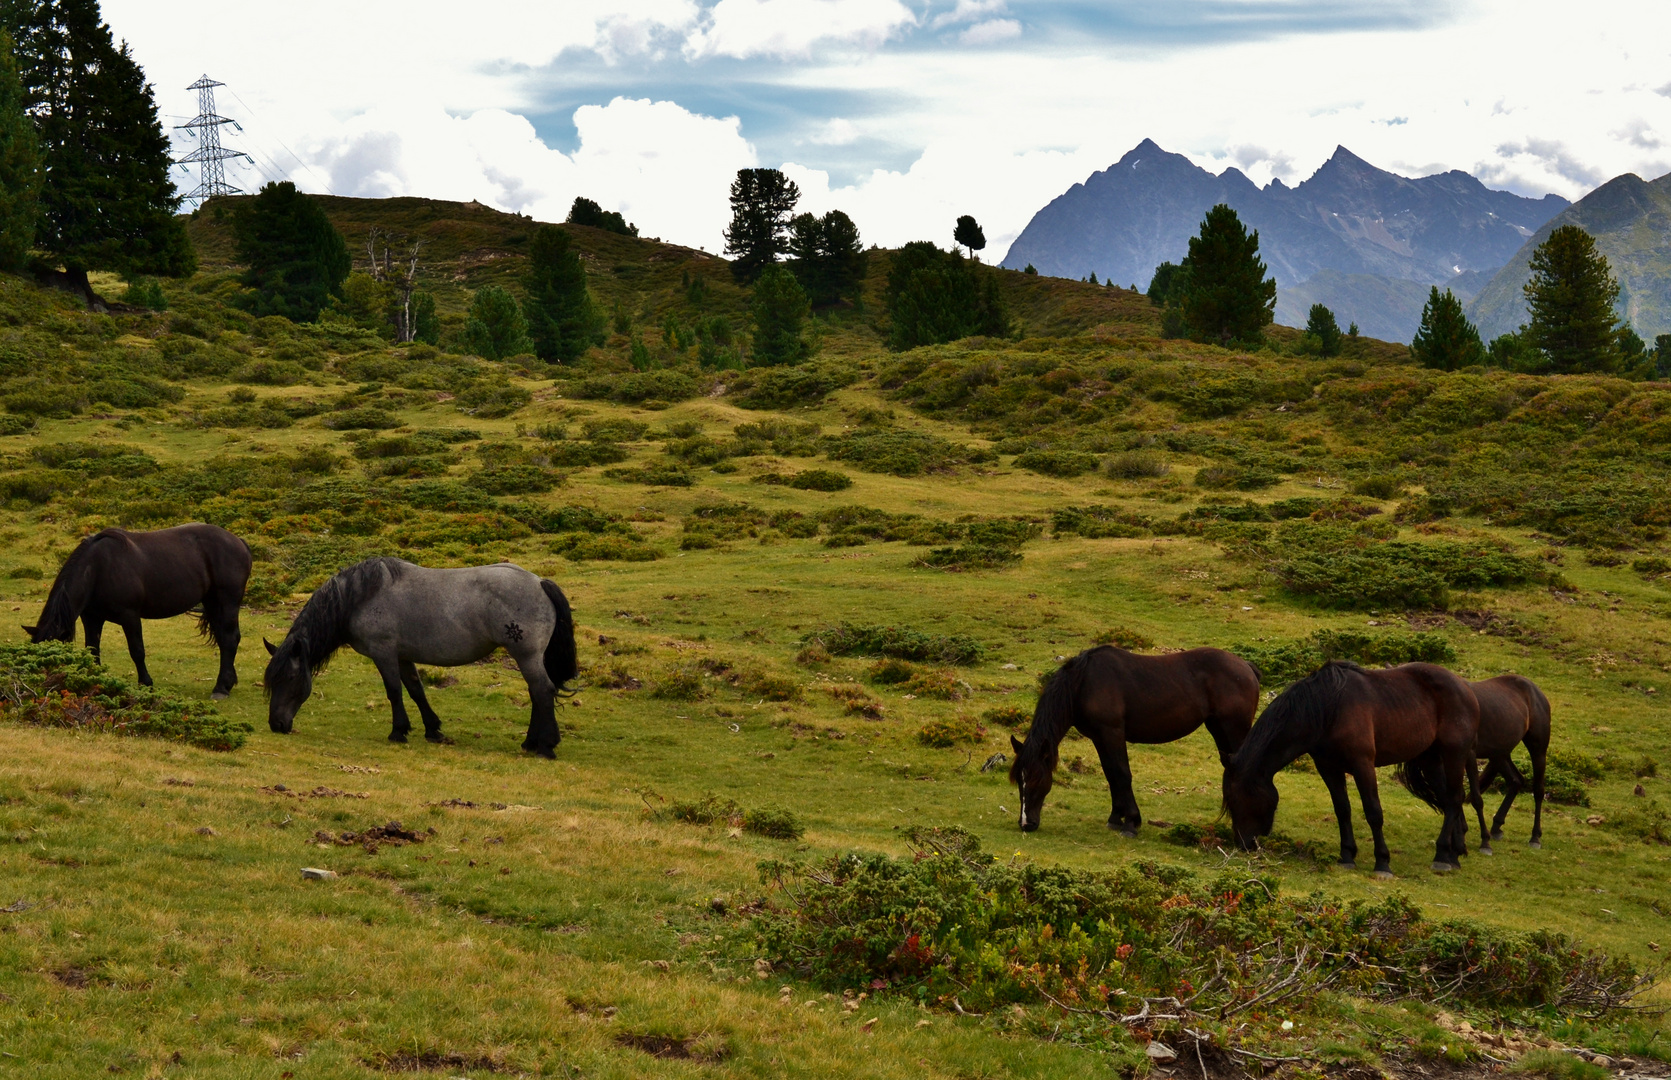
(790, 28)
(990, 32)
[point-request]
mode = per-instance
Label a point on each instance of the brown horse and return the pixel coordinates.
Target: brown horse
(1115, 697)
(1512, 711)
(1351, 721)
(121, 577)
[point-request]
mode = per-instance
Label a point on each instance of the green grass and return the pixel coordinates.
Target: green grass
(137, 935)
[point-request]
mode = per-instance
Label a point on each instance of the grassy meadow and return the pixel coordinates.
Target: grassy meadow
(559, 918)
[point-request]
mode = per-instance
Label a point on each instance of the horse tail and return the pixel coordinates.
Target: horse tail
(562, 660)
(1424, 778)
(68, 596)
(1258, 672)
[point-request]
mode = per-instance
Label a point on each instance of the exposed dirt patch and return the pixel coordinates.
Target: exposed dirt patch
(704, 1048)
(437, 1061)
(73, 977)
(320, 792)
(394, 834)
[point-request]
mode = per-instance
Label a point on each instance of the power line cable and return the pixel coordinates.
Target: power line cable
(281, 142)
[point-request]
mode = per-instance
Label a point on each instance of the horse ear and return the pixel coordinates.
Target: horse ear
(271, 648)
(30, 630)
(1015, 744)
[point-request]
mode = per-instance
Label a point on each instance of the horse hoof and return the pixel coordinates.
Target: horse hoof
(1383, 875)
(547, 752)
(1496, 834)
(1347, 864)
(219, 695)
(397, 737)
(1126, 831)
(1485, 849)
(437, 737)
(1443, 867)
(1536, 844)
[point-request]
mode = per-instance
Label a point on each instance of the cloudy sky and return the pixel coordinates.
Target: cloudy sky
(905, 113)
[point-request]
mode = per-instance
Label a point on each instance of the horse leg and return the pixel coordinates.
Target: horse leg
(389, 668)
(1514, 782)
(1215, 728)
(135, 632)
(1539, 759)
(543, 734)
(1454, 770)
(95, 631)
(1116, 767)
(1369, 793)
(1334, 775)
(1475, 786)
(222, 618)
(415, 687)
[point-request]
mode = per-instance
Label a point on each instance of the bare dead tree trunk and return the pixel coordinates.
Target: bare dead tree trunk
(402, 278)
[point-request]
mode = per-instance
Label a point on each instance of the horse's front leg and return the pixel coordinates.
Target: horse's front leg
(1539, 759)
(94, 627)
(134, 629)
(1369, 793)
(222, 617)
(389, 668)
(415, 686)
(543, 734)
(1334, 775)
(1476, 795)
(1116, 767)
(1455, 770)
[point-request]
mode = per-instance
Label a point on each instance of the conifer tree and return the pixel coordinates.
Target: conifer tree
(937, 296)
(1320, 324)
(426, 325)
(761, 202)
(1446, 339)
(778, 310)
(968, 232)
(296, 259)
(106, 199)
(19, 166)
(1229, 298)
(496, 329)
(562, 319)
(1571, 298)
(827, 257)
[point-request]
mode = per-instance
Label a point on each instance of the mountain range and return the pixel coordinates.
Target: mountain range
(1366, 242)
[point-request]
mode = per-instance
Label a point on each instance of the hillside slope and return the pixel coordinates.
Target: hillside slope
(1630, 219)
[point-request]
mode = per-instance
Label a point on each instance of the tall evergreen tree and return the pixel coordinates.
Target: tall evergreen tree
(587, 212)
(937, 296)
(496, 329)
(1571, 298)
(19, 166)
(562, 319)
(1446, 339)
(761, 202)
(827, 257)
(296, 259)
(968, 233)
(1229, 299)
(1320, 324)
(107, 201)
(778, 309)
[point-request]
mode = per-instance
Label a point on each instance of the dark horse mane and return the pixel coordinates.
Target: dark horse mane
(1299, 717)
(59, 615)
(1054, 713)
(322, 626)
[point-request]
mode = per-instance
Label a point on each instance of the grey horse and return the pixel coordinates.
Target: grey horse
(400, 615)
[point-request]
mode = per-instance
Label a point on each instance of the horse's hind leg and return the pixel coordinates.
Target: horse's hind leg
(95, 631)
(1476, 787)
(1370, 795)
(1514, 782)
(1334, 775)
(222, 619)
(1116, 766)
(1539, 759)
(543, 734)
(135, 632)
(389, 668)
(415, 687)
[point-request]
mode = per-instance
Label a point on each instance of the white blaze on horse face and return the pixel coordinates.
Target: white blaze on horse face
(1022, 786)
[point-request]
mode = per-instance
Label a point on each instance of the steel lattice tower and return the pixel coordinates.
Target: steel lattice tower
(210, 154)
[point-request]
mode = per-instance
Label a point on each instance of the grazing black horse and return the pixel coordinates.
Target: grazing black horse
(121, 577)
(1114, 697)
(401, 615)
(1512, 711)
(1351, 720)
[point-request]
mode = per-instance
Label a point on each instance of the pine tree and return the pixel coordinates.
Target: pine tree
(107, 201)
(1320, 324)
(496, 329)
(1571, 298)
(968, 233)
(19, 166)
(777, 310)
(587, 212)
(1446, 339)
(1229, 298)
(426, 325)
(297, 261)
(827, 257)
(937, 296)
(761, 202)
(562, 319)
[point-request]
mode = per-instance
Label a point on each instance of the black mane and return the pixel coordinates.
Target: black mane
(1054, 714)
(1296, 721)
(60, 613)
(322, 626)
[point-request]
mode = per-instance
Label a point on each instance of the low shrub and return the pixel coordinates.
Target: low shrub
(492, 399)
(969, 557)
(654, 476)
(774, 823)
(1099, 522)
(1283, 662)
(37, 486)
(1063, 463)
(638, 386)
(1010, 716)
(1235, 478)
(271, 373)
(809, 480)
(684, 682)
(901, 453)
(579, 455)
(943, 734)
(1136, 465)
(899, 642)
(708, 810)
(1377, 487)
(613, 547)
(363, 418)
(1124, 638)
(952, 923)
(57, 684)
(769, 687)
(890, 672)
(787, 387)
(941, 685)
(515, 479)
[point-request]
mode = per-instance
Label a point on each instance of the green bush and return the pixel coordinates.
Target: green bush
(773, 823)
(1235, 477)
(582, 454)
(1063, 463)
(654, 475)
(492, 399)
(969, 557)
(1010, 716)
(363, 418)
(809, 480)
(1283, 662)
(901, 453)
(944, 734)
(1136, 465)
(638, 386)
(1099, 522)
(890, 672)
(787, 387)
(56, 684)
(613, 547)
(899, 642)
(515, 479)
(38, 486)
(1124, 638)
(951, 922)
(682, 682)
(270, 373)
